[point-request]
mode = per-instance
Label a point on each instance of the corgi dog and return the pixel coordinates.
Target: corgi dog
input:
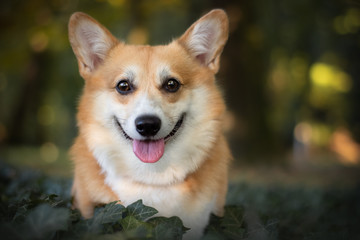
(150, 122)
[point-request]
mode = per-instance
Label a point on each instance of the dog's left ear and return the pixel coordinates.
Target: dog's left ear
(206, 38)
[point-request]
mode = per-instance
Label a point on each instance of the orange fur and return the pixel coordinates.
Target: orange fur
(88, 187)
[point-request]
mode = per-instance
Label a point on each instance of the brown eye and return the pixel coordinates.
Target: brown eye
(124, 87)
(171, 85)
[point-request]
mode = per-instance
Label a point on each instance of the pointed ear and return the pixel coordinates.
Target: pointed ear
(206, 38)
(90, 42)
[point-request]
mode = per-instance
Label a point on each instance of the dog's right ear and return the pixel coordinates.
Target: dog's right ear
(90, 42)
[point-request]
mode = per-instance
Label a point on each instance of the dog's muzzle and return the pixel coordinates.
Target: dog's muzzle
(148, 126)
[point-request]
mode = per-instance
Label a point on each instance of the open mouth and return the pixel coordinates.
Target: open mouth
(151, 150)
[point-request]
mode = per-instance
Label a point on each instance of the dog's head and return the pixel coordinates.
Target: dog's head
(150, 109)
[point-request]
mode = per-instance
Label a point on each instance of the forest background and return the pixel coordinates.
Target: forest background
(290, 74)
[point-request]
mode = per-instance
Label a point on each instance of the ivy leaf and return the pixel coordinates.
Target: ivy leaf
(234, 216)
(135, 228)
(140, 211)
(167, 228)
(130, 223)
(214, 229)
(112, 212)
(231, 226)
(104, 220)
(53, 200)
(44, 220)
(233, 222)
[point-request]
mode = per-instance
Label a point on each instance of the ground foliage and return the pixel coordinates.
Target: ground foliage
(34, 206)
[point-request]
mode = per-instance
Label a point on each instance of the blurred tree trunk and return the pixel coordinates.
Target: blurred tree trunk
(245, 76)
(24, 126)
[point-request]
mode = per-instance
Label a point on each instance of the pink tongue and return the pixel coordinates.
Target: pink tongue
(149, 151)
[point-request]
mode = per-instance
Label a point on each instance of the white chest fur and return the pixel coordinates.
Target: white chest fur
(172, 200)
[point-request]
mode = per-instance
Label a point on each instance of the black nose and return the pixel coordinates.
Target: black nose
(147, 125)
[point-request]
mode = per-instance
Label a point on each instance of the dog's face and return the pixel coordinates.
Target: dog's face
(150, 112)
(148, 94)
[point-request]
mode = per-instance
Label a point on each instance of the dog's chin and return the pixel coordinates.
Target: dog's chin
(167, 138)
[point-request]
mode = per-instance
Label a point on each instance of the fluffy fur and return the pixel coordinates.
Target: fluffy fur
(190, 179)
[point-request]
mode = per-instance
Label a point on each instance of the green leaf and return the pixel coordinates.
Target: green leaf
(233, 222)
(234, 217)
(167, 228)
(112, 212)
(140, 211)
(130, 223)
(44, 220)
(134, 228)
(231, 226)
(52, 199)
(104, 221)
(214, 230)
